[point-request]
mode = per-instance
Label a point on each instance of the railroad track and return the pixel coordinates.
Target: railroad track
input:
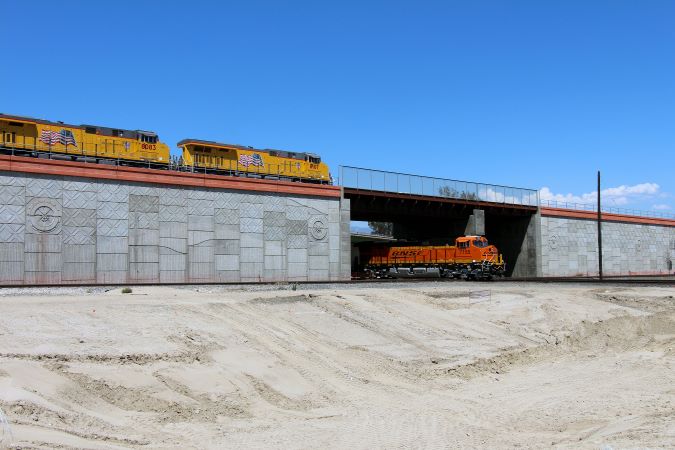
(612, 280)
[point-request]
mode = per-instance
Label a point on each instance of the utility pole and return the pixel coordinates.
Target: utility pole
(599, 231)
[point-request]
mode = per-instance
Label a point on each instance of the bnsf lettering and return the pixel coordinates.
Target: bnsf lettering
(405, 253)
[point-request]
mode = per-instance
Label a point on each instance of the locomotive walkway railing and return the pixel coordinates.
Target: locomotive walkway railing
(607, 209)
(403, 183)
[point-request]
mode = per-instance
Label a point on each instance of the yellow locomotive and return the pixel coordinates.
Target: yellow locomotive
(36, 137)
(266, 163)
(25, 135)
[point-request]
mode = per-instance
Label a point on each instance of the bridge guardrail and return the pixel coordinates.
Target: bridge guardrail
(403, 183)
(606, 209)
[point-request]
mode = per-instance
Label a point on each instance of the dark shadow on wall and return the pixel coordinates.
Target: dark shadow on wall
(516, 239)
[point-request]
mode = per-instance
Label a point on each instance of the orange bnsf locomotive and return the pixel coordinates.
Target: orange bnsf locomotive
(471, 257)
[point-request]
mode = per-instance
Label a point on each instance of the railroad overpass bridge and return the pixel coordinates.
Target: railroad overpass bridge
(436, 210)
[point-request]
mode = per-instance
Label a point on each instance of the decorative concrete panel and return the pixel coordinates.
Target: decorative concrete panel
(228, 201)
(78, 271)
(78, 185)
(569, 247)
(79, 235)
(199, 238)
(79, 217)
(111, 262)
(112, 210)
(144, 253)
(173, 229)
(251, 210)
(297, 241)
(226, 247)
(79, 199)
(79, 253)
(274, 248)
(170, 246)
(275, 233)
(201, 254)
(226, 216)
(11, 251)
(173, 213)
(201, 271)
(144, 203)
(274, 219)
(112, 192)
(201, 194)
(44, 187)
(318, 227)
(143, 271)
(111, 227)
(11, 272)
(227, 231)
(173, 262)
(112, 244)
(275, 203)
(12, 214)
(297, 213)
(202, 207)
(143, 220)
(42, 243)
(13, 179)
(59, 229)
(12, 195)
(173, 197)
(43, 262)
(252, 240)
(250, 225)
(227, 262)
(252, 271)
(200, 223)
(297, 227)
(43, 215)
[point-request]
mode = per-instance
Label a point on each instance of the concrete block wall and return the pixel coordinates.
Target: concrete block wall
(64, 230)
(569, 248)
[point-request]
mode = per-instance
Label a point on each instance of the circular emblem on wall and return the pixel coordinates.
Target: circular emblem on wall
(44, 214)
(553, 241)
(318, 228)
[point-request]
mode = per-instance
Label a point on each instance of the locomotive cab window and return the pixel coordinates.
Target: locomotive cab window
(480, 243)
(313, 159)
(148, 139)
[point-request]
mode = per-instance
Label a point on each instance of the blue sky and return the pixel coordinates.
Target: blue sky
(524, 93)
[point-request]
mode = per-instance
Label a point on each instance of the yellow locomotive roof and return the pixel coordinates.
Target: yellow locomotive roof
(273, 152)
(105, 131)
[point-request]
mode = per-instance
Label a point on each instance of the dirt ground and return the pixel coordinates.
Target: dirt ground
(422, 365)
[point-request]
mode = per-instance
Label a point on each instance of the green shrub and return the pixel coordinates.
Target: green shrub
(126, 290)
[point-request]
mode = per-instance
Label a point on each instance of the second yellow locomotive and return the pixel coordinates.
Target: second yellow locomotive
(266, 163)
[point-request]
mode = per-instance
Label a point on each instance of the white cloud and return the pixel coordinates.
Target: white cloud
(615, 196)
(661, 206)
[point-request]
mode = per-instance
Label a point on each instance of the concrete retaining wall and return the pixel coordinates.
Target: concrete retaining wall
(569, 248)
(67, 230)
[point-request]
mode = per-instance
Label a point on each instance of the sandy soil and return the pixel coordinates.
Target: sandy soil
(433, 365)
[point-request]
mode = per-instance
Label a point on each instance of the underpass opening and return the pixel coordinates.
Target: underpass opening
(439, 219)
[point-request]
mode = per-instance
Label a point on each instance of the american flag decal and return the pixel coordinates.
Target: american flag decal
(64, 137)
(251, 160)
